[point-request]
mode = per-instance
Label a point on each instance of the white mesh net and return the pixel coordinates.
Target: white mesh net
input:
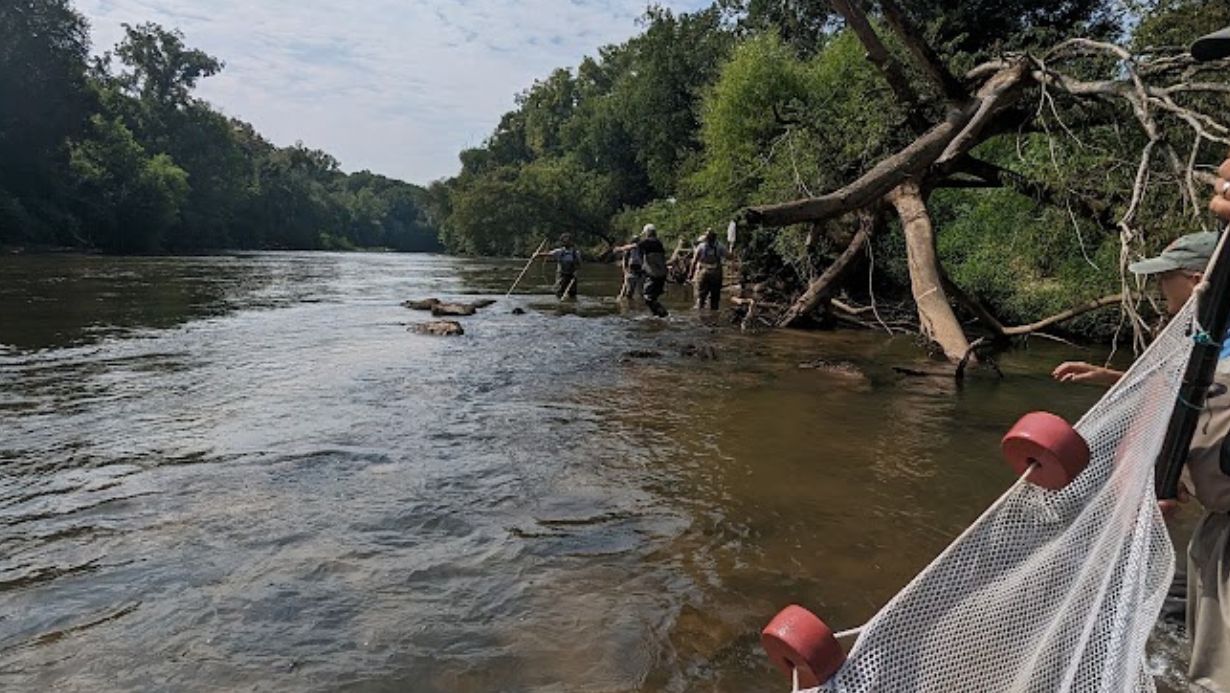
(1047, 591)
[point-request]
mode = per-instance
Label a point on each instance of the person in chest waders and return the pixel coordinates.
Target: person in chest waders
(567, 261)
(707, 271)
(1202, 589)
(633, 266)
(653, 260)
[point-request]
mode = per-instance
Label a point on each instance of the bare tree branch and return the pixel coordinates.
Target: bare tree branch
(1063, 317)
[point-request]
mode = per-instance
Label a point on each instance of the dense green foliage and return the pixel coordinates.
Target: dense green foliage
(117, 154)
(761, 101)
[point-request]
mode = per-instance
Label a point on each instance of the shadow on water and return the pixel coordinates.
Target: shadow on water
(239, 473)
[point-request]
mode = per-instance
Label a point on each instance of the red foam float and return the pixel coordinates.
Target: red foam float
(1048, 443)
(797, 639)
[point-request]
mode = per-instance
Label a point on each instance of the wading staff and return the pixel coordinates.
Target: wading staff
(1213, 293)
(533, 257)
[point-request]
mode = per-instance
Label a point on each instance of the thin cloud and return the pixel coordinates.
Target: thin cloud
(393, 86)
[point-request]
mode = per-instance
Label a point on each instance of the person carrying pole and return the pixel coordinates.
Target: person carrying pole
(567, 261)
(633, 266)
(525, 269)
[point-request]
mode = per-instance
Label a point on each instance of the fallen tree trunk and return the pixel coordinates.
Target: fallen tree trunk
(935, 316)
(821, 288)
(956, 134)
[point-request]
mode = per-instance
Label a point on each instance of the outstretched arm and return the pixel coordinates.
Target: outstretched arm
(1081, 372)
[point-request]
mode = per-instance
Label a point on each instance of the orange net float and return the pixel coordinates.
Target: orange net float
(798, 641)
(1048, 448)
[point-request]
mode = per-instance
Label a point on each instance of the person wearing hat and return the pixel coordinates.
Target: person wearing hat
(1178, 269)
(567, 261)
(653, 260)
(706, 273)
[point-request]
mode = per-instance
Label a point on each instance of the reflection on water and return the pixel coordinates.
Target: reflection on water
(243, 472)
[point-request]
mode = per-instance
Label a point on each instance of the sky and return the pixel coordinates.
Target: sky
(395, 86)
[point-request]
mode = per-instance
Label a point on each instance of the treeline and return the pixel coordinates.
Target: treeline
(761, 101)
(116, 154)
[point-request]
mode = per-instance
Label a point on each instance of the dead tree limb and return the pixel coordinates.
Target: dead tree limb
(1064, 316)
(935, 316)
(820, 290)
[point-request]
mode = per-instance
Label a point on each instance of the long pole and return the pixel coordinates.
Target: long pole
(527, 268)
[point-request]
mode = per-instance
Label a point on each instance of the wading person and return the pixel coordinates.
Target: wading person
(706, 272)
(567, 261)
(1178, 270)
(1207, 566)
(633, 266)
(653, 260)
(1208, 553)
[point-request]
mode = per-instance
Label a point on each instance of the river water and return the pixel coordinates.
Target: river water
(244, 473)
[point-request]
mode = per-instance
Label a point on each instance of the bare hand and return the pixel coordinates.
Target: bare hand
(1170, 506)
(1082, 372)
(1221, 196)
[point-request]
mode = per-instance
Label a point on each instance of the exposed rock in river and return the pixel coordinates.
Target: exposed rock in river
(441, 308)
(425, 304)
(518, 311)
(642, 354)
(452, 309)
(843, 369)
(704, 352)
(442, 328)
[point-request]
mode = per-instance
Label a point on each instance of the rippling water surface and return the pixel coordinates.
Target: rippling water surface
(243, 473)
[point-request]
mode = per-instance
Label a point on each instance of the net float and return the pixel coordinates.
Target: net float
(1047, 448)
(799, 642)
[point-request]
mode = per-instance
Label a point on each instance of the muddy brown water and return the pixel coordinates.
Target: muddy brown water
(243, 473)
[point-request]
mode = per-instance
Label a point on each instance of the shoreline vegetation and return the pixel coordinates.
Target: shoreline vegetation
(970, 177)
(115, 154)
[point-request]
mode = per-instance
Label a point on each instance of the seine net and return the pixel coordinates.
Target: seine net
(1048, 590)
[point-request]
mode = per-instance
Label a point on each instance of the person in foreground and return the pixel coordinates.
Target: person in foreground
(1208, 553)
(567, 261)
(1179, 270)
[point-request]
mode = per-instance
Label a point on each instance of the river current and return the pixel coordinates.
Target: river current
(245, 473)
